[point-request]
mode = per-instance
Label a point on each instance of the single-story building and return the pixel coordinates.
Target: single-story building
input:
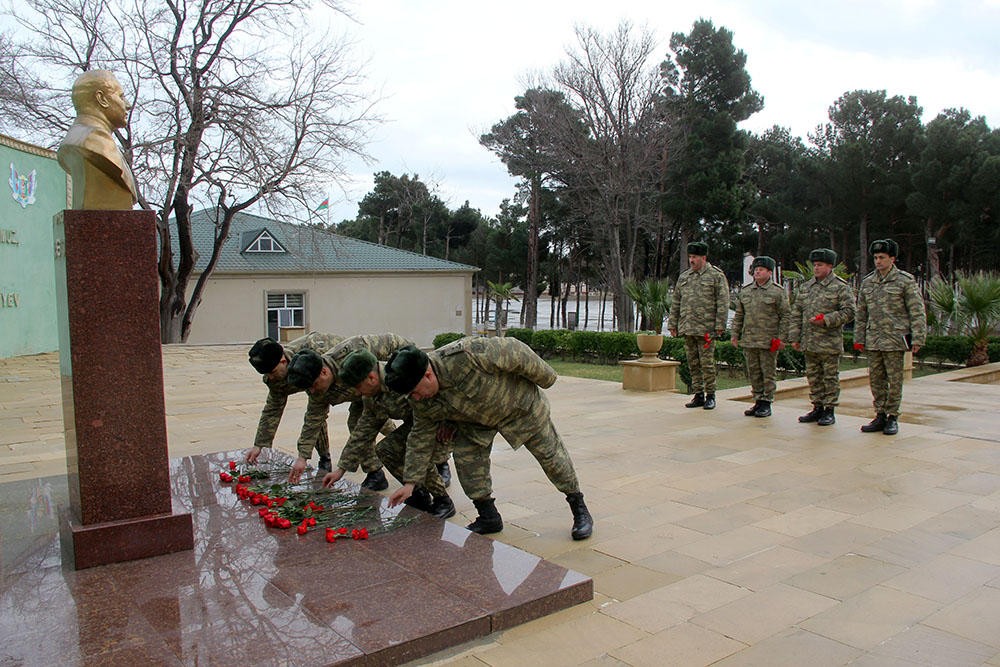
(283, 280)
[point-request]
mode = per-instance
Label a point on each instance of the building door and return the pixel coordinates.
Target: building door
(286, 316)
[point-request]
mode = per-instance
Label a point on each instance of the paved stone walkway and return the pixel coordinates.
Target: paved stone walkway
(720, 539)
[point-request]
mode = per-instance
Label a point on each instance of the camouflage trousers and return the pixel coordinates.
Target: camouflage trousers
(370, 461)
(762, 372)
(472, 461)
(885, 377)
(391, 451)
(701, 362)
(823, 373)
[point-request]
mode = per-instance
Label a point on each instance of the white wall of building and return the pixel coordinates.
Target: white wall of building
(416, 305)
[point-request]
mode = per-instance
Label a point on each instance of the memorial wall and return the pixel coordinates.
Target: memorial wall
(36, 190)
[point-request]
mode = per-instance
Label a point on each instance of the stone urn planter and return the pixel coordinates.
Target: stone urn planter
(649, 345)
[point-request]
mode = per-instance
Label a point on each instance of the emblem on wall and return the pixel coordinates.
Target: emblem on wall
(22, 187)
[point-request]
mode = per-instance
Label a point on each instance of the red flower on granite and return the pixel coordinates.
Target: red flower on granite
(232, 465)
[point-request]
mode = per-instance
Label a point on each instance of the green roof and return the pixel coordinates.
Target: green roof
(306, 249)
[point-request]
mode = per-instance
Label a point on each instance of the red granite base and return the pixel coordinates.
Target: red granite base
(96, 544)
(248, 594)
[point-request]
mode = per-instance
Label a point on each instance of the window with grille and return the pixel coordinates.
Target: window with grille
(285, 311)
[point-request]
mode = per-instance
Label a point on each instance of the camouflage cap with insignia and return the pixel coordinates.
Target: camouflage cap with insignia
(823, 255)
(356, 366)
(405, 368)
(265, 355)
(304, 368)
(888, 246)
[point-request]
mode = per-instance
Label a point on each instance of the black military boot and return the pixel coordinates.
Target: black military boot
(489, 520)
(709, 402)
(443, 507)
(583, 523)
(827, 418)
(874, 425)
(697, 401)
(325, 465)
(891, 425)
(813, 415)
(445, 471)
(420, 499)
(764, 410)
(749, 412)
(375, 481)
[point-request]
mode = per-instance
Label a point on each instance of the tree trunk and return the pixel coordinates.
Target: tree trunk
(531, 274)
(863, 243)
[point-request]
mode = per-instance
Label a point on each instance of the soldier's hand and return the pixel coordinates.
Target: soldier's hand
(915, 349)
(253, 454)
(818, 319)
(332, 478)
(401, 494)
(734, 341)
(673, 333)
(295, 474)
(445, 433)
(796, 347)
(859, 347)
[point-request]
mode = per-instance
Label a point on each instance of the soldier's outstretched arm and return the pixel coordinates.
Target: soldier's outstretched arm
(270, 417)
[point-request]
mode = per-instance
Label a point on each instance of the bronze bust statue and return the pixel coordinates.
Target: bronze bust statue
(89, 154)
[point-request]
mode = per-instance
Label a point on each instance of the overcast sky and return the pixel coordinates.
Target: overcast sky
(448, 70)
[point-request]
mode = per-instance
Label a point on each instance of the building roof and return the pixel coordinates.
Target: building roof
(303, 249)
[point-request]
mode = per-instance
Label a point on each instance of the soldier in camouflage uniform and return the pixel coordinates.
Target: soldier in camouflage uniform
(362, 371)
(823, 305)
(485, 386)
(760, 325)
(270, 359)
(890, 320)
(318, 375)
(700, 308)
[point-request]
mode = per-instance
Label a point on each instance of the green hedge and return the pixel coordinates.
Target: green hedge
(443, 339)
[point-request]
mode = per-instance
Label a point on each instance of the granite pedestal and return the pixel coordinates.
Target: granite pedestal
(107, 296)
(252, 595)
(649, 374)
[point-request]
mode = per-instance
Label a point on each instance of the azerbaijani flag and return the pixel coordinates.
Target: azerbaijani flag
(323, 206)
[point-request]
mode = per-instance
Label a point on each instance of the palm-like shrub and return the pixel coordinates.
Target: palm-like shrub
(652, 298)
(970, 307)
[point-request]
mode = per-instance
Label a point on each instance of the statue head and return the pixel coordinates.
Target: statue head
(98, 93)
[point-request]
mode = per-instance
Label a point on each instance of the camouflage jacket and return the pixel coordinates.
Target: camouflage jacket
(318, 409)
(761, 314)
(485, 385)
(377, 409)
(830, 297)
(889, 308)
(700, 303)
(278, 391)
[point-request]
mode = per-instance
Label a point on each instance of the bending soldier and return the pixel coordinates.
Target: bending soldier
(485, 386)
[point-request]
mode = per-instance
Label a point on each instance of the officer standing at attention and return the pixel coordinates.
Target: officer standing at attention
(700, 309)
(823, 305)
(759, 327)
(890, 320)
(270, 359)
(489, 385)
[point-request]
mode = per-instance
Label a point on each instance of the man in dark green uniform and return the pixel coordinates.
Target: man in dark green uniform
(270, 359)
(362, 371)
(823, 305)
(485, 386)
(890, 320)
(699, 312)
(759, 327)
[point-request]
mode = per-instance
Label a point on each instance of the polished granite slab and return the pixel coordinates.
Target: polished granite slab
(251, 595)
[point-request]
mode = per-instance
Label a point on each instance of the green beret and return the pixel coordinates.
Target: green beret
(888, 246)
(265, 355)
(356, 366)
(304, 368)
(764, 261)
(698, 248)
(405, 368)
(824, 255)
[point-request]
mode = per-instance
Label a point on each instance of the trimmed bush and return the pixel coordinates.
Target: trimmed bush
(523, 335)
(444, 338)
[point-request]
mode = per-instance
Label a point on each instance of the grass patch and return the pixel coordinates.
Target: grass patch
(589, 371)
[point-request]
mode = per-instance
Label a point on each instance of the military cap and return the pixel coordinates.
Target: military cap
(304, 368)
(888, 246)
(405, 368)
(265, 355)
(824, 255)
(356, 366)
(764, 261)
(698, 248)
